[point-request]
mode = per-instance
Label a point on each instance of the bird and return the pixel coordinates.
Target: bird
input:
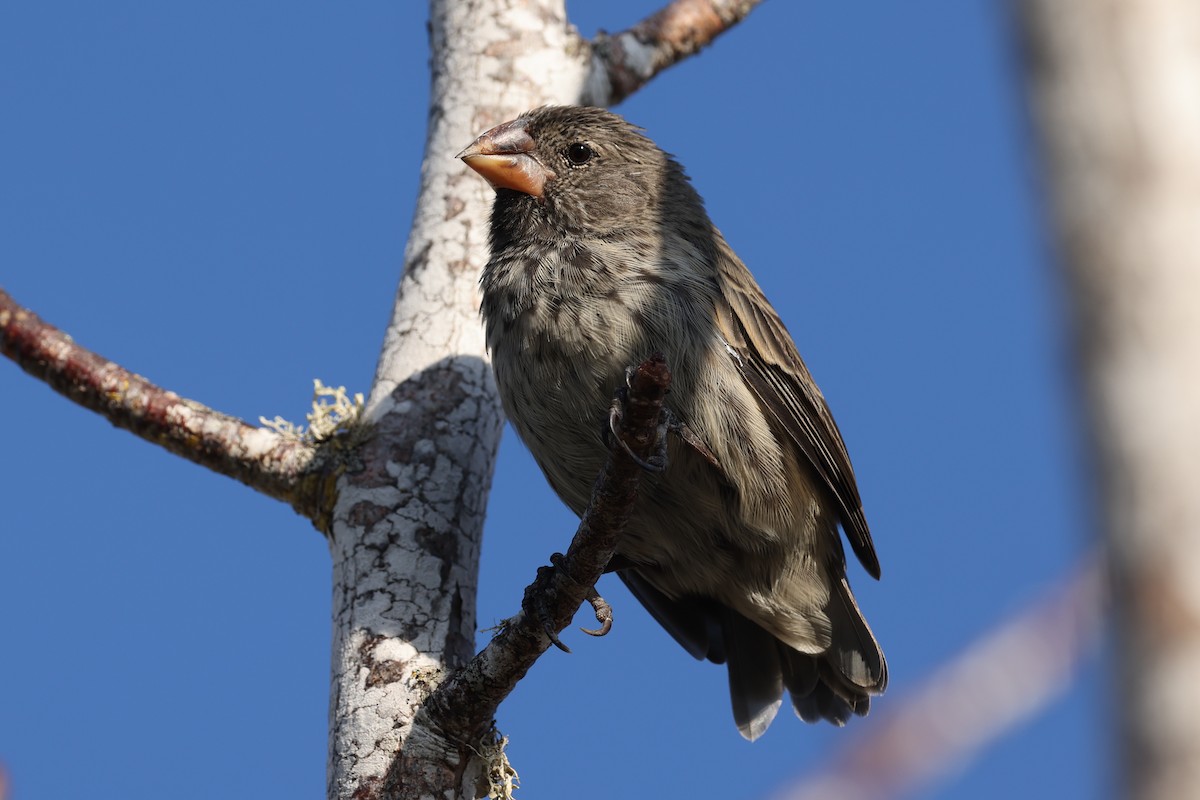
(602, 253)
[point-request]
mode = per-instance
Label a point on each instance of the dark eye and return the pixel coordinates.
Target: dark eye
(579, 154)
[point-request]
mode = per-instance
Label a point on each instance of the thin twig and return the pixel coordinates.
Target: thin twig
(624, 62)
(273, 464)
(997, 683)
(462, 707)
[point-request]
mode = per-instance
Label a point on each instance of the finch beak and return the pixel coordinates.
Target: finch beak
(503, 156)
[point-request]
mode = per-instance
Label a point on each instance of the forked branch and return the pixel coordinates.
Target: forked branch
(462, 707)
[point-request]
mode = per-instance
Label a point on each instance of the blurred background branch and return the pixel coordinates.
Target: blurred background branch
(992, 687)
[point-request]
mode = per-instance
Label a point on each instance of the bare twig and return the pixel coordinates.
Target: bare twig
(276, 465)
(462, 707)
(622, 63)
(996, 684)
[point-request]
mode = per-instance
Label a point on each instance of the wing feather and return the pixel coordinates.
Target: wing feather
(765, 355)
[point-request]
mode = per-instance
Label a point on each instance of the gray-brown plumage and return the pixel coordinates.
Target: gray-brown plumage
(602, 253)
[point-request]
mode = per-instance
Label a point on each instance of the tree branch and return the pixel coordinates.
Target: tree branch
(624, 62)
(262, 459)
(1114, 87)
(463, 705)
(408, 527)
(970, 702)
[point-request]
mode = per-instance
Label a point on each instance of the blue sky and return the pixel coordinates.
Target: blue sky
(217, 197)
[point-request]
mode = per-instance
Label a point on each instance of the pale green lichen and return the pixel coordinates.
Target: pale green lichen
(333, 412)
(427, 678)
(501, 777)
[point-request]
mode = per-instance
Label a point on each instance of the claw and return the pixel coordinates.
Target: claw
(689, 437)
(658, 462)
(537, 607)
(554, 640)
(614, 417)
(534, 602)
(603, 614)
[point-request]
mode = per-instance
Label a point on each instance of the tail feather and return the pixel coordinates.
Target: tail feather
(834, 686)
(755, 675)
(854, 653)
(800, 673)
(840, 682)
(818, 691)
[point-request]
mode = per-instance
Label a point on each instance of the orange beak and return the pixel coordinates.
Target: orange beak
(504, 157)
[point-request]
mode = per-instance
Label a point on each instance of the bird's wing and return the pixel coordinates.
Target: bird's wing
(763, 351)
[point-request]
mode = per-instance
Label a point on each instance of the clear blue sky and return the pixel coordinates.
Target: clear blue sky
(217, 196)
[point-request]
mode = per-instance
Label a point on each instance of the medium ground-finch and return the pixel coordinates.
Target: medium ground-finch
(601, 254)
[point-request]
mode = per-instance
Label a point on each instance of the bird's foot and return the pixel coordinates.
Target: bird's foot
(603, 613)
(539, 596)
(539, 599)
(658, 461)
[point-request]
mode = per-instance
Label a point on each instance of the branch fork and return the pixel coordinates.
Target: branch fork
(462, 707)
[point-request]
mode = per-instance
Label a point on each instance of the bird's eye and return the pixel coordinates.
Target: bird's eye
(579, 154)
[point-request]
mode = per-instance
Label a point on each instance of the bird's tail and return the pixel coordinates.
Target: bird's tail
(833, 685)
(840, 682)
